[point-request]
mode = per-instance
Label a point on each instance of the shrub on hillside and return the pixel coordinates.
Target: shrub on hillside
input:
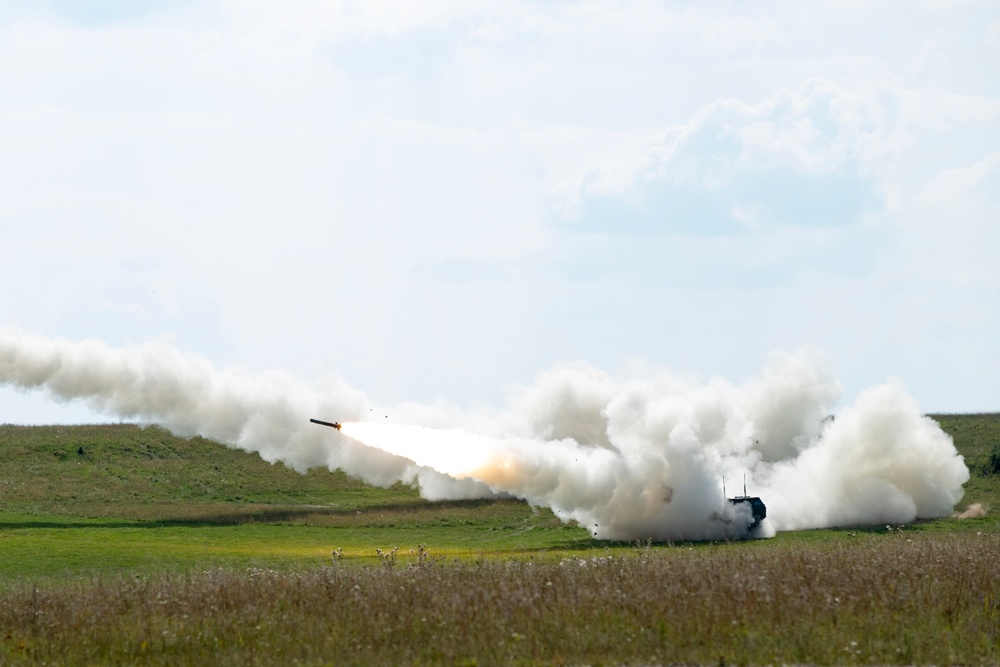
(992, 465)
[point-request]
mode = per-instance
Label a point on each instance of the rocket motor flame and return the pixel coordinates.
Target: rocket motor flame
(575, 481)
(629, 458)
(455, 453)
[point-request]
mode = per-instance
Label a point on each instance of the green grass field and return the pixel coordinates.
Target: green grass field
(123, 545)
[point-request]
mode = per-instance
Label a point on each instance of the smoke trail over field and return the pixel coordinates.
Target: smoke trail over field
(627, 457)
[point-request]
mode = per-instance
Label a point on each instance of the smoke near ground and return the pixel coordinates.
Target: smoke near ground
(629, 457)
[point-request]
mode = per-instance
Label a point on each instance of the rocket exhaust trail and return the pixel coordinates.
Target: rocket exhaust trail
(626, 457)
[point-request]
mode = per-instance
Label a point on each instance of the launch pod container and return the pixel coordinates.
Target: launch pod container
(757, 508)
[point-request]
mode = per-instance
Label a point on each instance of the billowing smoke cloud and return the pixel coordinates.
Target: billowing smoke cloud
(635, 457)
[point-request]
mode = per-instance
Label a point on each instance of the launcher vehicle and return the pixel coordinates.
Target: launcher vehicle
(758, 510)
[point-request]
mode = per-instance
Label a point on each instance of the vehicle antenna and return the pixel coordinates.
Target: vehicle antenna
(744, 485)
(723, 486)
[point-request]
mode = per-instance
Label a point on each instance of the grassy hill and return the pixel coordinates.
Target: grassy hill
(977, 438)
(123, 470)
(126, 471)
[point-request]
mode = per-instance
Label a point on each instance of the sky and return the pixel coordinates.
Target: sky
(440, 201)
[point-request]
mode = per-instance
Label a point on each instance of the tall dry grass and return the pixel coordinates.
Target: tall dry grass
(883, 600)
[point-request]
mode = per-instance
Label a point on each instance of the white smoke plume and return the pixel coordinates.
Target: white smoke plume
(635, 457)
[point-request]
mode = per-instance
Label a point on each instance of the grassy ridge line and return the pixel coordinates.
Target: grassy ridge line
(123, 470)
(130, 473)
(77, 469)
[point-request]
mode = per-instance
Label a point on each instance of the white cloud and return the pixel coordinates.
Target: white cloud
(938, 109)
(953, 185)
(799, 157)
